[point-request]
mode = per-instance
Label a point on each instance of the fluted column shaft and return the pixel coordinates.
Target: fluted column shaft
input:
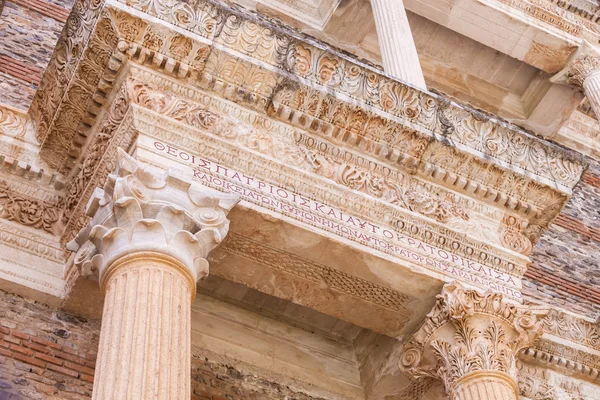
(485, 385)
(398, 50)
(147, 242)
(591, 88)
(144, 350)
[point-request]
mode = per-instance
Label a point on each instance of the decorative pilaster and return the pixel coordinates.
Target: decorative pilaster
(471, 342)
(583, 71)
(398, 51)
(147, 243)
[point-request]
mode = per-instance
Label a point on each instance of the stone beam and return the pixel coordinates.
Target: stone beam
(451, 178)
(530, 31)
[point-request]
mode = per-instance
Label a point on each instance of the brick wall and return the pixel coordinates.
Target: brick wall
(44, 353)
(47, 354)
(564, 269)
(29, 30)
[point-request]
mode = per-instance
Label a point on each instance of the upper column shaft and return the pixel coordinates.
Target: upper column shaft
(144, 350)
(485, 385)
(591, 88)
(398, 50)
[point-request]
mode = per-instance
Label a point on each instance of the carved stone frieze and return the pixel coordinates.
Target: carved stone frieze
(116, 128)
(470, 334)
(575, 329)
(114, 131)
(139, 210)
(28, 211)
(19, 149)
(318, 156)
(316, 273)
(79, 75)
(223, 156)
(14, 123)
(537, 383)
(563, 355)
(447, 175)
(570, 344)
(379, 99)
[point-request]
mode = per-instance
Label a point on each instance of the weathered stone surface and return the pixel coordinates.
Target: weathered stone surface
(215, 381)
(362, 196)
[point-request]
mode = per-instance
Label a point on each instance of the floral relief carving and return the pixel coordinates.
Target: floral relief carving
(440, 209)
(138, 210)
(468, 331)
(581, 68)
(537, 383)
(337, 99)
(13, 123)
(27, 211)
(572, 328)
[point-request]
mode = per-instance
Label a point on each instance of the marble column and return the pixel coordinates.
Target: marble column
(398, 51)
(583, 71)
(471, 341)
(147, 243)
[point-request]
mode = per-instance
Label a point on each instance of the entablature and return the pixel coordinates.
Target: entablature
(428, 168)
(260, 64)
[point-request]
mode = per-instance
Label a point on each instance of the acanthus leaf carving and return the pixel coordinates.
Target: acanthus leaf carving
(468, 332)
(139, 210)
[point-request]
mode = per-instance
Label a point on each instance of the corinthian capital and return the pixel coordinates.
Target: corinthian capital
(140, 211)
(471, 335)
(582, 64)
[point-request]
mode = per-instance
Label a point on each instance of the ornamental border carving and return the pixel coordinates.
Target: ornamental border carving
(213, 148)
(345, 167)
(320, 274)
(263, 43)
(115, 117)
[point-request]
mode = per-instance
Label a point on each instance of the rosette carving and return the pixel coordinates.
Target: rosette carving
(139, 210)
(471, 334)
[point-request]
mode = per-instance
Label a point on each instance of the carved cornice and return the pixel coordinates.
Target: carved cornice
(231, 155)
(140, 211)
(423, 139)
(397, 125)
(363, 98)
(570, 344)
(175, 120)
(469, 332)
(75, 84)
(574, 329)
(457, 171)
